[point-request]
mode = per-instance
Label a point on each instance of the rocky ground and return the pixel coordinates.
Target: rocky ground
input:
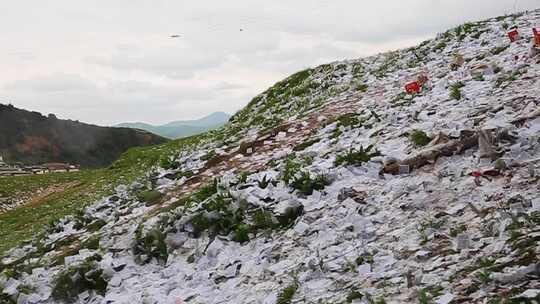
(333, 186)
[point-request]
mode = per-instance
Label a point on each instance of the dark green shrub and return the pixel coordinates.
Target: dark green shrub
(356, 157)
(454, 231)
(354, 295)
(508, 78)
(419, 138)
(5, 298)
(152, 245)
(292, 166)
(455, 90)
(242, 177)
(287, 294)
(217, 217)
(169, 163)
(479, 77)
(241, 233)
(264, 182)
(206, 191)
(441, 46)
(81, 220)
(365, 258)
(305, 184)
(91, 243)
(337, 133)
(75, 280)
(361, 87)
(349, 120)
(288, 219)
(210, 155)
(96, 225)
(262, 219)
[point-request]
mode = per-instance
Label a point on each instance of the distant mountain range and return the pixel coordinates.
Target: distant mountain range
(182, 128)
(31, 138)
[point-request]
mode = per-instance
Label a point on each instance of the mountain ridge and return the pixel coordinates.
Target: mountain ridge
(31, 138)
(182, 128)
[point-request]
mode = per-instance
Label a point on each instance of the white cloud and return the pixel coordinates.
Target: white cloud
(112, 61)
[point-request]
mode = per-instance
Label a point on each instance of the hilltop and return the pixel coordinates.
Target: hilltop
(332, 186)
(183, 128)
(31, 138)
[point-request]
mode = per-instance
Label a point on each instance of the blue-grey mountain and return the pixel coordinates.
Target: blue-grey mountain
(182, 128)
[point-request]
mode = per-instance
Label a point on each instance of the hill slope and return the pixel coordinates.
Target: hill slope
(32, 138)
(333, 186)
(183, 128)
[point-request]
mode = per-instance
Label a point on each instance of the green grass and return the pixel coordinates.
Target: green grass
(149, 197)
(419, 138)
(349, 120)
(455, 90)
(287, 294)
(306, 184)
(21, 224)
(74, 280)
(356, 157)
(151, 245)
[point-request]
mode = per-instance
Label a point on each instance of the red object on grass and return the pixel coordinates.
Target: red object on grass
(536, 37)
(513, 35)
(412, 87)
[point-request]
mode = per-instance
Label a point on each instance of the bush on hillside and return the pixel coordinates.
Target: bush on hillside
(77, 279)
(355, 157)
(305, 184)
(419, 138)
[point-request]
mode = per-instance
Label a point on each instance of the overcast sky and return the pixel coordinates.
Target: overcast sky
(112, 61)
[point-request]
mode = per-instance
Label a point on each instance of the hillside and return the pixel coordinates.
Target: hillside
(333, 186)
(182, 128)
(32, 138)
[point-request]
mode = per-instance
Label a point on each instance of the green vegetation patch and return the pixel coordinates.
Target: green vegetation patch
(287, 294)
(150, 245)
(349, 120)
(19, 225)
(455, 90)
(149, 197)
(505, 79)
(77, 279)
(306, 184)
(355, 157)
(419, 138)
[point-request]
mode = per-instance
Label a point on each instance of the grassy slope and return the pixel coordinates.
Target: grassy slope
(301, 92)
(19, 225)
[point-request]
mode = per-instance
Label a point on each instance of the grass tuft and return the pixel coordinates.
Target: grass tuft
(356, 157)
(419, 138)
(287, 294)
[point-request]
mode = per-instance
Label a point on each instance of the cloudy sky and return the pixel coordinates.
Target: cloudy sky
(112, 61)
